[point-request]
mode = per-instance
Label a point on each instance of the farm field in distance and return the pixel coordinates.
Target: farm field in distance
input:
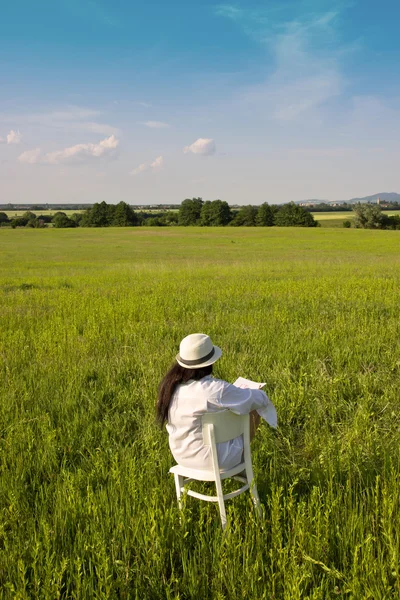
(91, 320)
(328, 216)
(18, 213)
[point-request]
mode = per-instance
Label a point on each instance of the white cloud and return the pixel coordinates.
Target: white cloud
(140, 169)
(73, 154)
(14, 137)
(155, 124)
(81, 152)
(157, 164)
(154, 166)
(203, 146)
(30, 157)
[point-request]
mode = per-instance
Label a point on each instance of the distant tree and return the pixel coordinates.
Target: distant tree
(155, 222)
(206, 214)
(221, 213)
(77, 218)
(368, 216)
(292, 215)
(265, 215)
(100, 215)
(124, 216)
(391, 222)
(38, 223)
(19, 222)
(216, 213)
(190, 211)
(3, 218)
(29, 216)
(45, 218)
(246, 217)
(347, 224)
(171, 217)
(60, 220)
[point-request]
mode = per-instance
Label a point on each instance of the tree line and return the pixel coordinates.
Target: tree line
(194, 211)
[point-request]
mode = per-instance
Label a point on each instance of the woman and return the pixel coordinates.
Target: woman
(188, 391)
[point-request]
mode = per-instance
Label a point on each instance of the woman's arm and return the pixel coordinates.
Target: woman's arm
(239, 400)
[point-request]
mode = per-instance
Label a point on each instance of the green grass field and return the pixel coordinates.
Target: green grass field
(91, 320)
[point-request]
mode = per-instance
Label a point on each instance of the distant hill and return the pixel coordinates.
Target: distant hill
(386, 196)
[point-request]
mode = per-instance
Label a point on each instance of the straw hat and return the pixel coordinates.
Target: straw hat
(196, 351)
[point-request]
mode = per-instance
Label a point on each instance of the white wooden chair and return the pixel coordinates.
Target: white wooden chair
(220, 427)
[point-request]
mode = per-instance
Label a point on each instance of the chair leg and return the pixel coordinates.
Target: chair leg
(178, 487)
(256, 499)
(221, 502)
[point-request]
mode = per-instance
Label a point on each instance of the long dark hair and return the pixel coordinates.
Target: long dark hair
(173, 378)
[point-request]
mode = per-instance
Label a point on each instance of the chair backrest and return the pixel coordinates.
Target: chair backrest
(226, 426)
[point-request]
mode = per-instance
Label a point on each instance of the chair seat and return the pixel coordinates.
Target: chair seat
(203, 475)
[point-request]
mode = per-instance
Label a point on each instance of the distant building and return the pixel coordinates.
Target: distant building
(382, 204)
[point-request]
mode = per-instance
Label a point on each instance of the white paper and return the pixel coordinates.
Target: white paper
(241, 382)
(268, 413)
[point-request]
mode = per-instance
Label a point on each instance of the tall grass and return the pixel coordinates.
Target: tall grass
(91, 320)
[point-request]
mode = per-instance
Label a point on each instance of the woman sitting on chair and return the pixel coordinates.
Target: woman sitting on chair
(188, 391)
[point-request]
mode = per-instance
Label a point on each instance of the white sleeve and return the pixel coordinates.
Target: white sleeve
(240, 401)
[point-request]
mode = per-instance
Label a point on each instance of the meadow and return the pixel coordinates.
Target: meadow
(91, 320)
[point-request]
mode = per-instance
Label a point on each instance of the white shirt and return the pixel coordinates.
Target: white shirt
(194, 398)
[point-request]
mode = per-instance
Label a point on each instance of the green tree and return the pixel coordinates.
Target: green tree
(124, 216)
(61, 221)
(206, 214)
(155, 222)
(220, 213)
(368, 216)
(18, 222)
(170, 218)
(190, 211)
(3, 218)
(77, 218)
(391, 222)
(45, 218)
(265, 215)
(215, 214)
(29, 216)
(100, 215)
(292, 215)
(246, 217)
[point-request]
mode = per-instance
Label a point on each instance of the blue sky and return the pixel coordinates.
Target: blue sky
(154, 102)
